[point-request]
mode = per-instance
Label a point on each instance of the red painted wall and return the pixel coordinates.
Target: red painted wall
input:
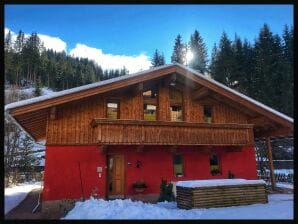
(62, 175)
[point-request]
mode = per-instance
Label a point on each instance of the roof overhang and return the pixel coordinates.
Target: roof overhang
(38, 107)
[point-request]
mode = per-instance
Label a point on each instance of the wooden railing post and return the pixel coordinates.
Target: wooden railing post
(271, 168)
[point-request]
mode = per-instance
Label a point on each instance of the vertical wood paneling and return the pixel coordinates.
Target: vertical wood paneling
(224, 114)
(72, 124)
(163, 103)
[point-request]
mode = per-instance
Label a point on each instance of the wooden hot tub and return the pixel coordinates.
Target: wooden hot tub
(220, 193)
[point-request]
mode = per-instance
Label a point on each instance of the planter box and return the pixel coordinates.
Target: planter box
(139, 190)
(220, 193)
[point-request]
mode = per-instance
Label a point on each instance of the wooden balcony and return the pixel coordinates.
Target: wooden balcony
(139, 132)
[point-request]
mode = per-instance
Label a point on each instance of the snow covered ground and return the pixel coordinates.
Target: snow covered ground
(280, 206)
(283, 171)
(285, 185)
(16, 194)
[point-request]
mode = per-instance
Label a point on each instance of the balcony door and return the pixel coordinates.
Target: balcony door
(115, 177)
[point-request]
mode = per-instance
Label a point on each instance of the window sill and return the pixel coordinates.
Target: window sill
(179, 176)
(216, 174)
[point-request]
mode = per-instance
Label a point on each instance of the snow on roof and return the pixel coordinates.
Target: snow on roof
(217, 182)
(105, 82)
(80, 88)
(239, 94)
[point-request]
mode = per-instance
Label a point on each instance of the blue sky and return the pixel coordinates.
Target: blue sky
(133, 30)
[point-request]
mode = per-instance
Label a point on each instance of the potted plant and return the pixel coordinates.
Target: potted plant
(139, 186)
(215, 171)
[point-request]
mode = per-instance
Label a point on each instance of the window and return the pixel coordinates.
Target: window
(176, 105)
(149, 112)
(207, 114)
(150, 94)
(150, 102)
(113, 109)
(176, 113)
(214, 164)
(178, 165)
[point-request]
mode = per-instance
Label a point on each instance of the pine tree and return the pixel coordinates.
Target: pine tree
(27, 157)
(8, 42)
(247, 83)
(179, 51)
(199, 51)
(238, 73)
(157, 59)
(288, 52)
(214, 58)
(270, 68)
(222, 70)
(20, 41)
(38, 85)
(31, 54)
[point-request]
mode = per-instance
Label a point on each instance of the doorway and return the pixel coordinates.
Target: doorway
(115, 177)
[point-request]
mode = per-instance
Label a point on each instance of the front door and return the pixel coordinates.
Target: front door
(115, 187)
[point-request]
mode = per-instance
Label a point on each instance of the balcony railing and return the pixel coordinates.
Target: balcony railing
(139, 132)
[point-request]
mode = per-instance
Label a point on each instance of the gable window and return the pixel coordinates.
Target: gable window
(207, 114)
(113, 109)
(178, 165)
(214, 164)
(176, 105)
(176, 113)
(150, 104)
(149, 112)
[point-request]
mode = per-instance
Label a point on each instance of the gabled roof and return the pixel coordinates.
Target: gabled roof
(43, 103)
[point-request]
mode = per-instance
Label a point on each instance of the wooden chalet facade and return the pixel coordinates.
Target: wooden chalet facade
(167, 122)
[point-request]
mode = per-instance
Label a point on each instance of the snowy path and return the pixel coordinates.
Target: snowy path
(280, 206)
(14, 195)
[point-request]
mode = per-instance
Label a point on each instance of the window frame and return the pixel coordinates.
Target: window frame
(113, 100)
(151, 104)
(173, 103)
(183, 161)
(151, 101)
(211, 111)
(219, 164)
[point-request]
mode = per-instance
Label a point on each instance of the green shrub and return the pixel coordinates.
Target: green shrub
(166, 191)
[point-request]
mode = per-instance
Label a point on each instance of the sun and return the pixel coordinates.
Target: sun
(189, 56)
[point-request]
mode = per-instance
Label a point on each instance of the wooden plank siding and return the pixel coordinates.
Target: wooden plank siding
(170, 133)
(221, 196)
(72, 123)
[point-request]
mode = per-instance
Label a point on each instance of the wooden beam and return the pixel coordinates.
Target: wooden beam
(274, 133)
(103, 148)
(200, 93)
(168, 80)
(173, 148)
(258, 120)
(271, 168)
(233, 148)
(139, 87)
(139, 148)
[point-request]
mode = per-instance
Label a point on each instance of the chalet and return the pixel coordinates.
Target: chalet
(167, 122)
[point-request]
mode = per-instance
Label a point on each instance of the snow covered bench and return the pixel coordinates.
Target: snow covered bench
(220, 193)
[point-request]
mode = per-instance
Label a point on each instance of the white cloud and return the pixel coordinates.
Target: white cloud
(109, 61)
(13, 34)
(49, 42)
(54, 43)
(105, 60)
